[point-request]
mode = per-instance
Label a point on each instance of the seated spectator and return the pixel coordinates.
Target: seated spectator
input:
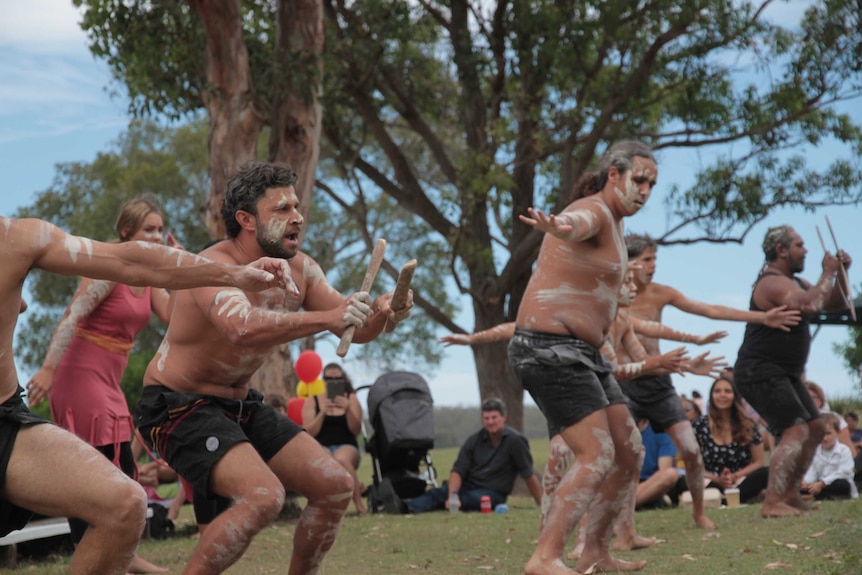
(658, 475)
(831, 473)
(853, 428)
(819, 399)
(488, 464)
(692, 410)
(334, 418)
(731, 444)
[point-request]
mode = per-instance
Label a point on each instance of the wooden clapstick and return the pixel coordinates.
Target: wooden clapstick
(849, 295)
(402, 287)
(373, 266)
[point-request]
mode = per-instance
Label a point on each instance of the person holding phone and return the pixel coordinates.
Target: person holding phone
(335, 419)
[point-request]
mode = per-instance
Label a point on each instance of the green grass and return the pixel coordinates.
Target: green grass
(825, 542)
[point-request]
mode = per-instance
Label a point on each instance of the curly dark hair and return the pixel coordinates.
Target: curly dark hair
(247, 186)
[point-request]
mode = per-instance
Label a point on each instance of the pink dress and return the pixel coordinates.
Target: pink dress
(86, 397)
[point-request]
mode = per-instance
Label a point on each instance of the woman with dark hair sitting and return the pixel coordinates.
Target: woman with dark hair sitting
(731, 444)
(335, 419)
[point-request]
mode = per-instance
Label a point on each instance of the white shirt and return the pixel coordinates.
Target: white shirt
(827, 466)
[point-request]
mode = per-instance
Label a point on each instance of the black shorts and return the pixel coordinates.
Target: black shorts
(567, 378)
(13, 414)
(653, 397)
(780, 398)
(192, 432)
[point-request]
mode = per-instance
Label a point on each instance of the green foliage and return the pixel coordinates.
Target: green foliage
(168, 164)
(445, 120)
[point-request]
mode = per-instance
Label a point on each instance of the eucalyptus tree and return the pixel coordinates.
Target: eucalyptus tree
(459, 114)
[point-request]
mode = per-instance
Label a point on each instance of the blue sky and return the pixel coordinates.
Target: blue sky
(55, 107)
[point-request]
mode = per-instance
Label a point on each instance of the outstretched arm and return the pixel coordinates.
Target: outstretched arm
(659, 330)
(779, 317)
(501, 332)
(143, 263)
(572, 225)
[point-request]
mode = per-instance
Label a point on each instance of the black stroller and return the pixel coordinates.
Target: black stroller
(401, 413)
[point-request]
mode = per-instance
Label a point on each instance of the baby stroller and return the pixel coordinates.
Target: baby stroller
(401, 413)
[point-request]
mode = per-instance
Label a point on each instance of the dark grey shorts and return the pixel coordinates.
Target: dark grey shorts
(780, 398)
(653, 397)
(192, 432)
(566, 377)
(13, 414)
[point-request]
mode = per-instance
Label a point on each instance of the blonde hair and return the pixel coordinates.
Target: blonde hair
(132, 216)
(831, 420)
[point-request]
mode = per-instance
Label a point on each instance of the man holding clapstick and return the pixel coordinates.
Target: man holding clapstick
(198, 411)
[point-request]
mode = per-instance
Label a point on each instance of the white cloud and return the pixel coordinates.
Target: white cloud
(42, 26)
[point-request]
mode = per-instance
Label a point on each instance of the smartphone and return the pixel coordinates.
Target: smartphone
(335, 387)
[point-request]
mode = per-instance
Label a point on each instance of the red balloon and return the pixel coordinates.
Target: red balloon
(308, 366)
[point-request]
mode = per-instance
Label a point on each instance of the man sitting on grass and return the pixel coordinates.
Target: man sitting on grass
(487, 464)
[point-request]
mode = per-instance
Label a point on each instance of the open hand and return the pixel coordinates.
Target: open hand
(455, 339)
(782, 318)
(710, 337)
(550, 224)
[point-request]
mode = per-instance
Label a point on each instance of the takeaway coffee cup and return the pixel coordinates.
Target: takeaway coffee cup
(732, 496)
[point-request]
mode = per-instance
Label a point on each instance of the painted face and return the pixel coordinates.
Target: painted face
(152, 230)
(628, 289)
(634, 187)
(722, 395)
(493, 421)
(279, 222)
(645, 266)
(830, 438)
(796, 253)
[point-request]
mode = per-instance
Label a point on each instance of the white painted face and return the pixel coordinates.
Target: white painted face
(151, 230)
(636, 185)
(628, 289)
(279, 222)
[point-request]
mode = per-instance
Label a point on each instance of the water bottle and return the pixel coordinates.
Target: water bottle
(485, 503)
(454, 503)
(501, 508)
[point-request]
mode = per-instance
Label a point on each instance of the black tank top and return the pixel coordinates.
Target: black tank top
(334, 430)
(786, 349)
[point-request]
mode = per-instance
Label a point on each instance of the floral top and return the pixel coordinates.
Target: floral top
(716, 457)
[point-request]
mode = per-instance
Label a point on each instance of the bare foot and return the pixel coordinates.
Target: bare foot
(578, 549)
(627, 543)
(704, 522)
(141, 565)
(610, 564)
(779, 509)
(803, 505)
(555, 567)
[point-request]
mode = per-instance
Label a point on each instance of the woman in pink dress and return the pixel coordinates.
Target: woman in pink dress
(89, 351)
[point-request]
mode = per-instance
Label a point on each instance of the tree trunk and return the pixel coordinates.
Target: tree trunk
(235, 123)
(496, 378)
(296, 112)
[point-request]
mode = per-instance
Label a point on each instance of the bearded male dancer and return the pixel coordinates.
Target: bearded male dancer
(653, 397)
(198, 411)
(770, 363)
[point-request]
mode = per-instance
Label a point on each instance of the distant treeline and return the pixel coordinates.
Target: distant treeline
(453, 425)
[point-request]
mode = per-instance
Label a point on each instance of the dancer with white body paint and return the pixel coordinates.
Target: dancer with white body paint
(770, 363)
(47, 470)
(197, 410)
(653, 397)
(628, 359)
(89, 352)
(567, 310)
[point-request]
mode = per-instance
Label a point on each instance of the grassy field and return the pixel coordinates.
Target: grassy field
(825, 542)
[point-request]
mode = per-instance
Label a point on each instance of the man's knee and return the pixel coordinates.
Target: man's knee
(127, 502)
